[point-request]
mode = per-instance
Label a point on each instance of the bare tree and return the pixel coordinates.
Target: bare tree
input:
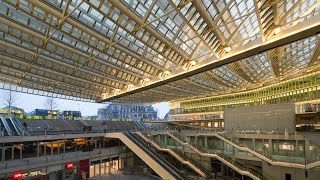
(51, 104)
(9, 99)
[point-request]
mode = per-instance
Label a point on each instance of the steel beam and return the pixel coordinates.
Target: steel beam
(8, 45)
(204, 14)
(193, 29)
(119, 5)
(259, 20)
(57, 74)
(303, 30)
(95, 34)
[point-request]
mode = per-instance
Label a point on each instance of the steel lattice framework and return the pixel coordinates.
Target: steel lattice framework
(154, 50)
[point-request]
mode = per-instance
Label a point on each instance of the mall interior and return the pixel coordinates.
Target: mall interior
(242, 78)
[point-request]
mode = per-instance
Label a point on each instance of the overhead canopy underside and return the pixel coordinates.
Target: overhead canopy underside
(154, 50)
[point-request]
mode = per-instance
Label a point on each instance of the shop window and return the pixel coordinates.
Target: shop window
(216, 124)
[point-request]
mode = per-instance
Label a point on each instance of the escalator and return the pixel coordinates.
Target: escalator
(3, 131)
(21, 128)
(140, 125)
(12, 127)
(152, 153)
(6, 127)
(176, 154)
(151, 158)
(11, 124)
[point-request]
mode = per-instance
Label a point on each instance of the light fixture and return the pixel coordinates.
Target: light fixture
(277, 30)
(105, 95)
(193, 63)
(69, 165)
(147, 79)
(130, 86)
(167, 72)
(116, 91)
(227, 49)
(16, 175)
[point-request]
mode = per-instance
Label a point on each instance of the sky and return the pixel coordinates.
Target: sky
(29, 102)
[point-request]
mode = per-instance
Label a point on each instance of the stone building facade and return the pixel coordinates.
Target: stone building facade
(127, 111)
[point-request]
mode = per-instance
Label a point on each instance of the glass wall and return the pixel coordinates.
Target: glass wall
(106, 166)
(300, 89)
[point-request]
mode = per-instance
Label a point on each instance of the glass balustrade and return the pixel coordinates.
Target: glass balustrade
(225, 153)
(296, 149)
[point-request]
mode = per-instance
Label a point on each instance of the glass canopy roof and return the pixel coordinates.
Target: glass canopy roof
(96, 50)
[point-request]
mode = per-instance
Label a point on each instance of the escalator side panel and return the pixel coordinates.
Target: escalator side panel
(11, 126)
(163, 173)
(15, 126)
(6, 126)
(162, 161)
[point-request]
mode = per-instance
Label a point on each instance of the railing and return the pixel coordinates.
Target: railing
(6, 126)
(220, 157)
(58, 158)
(295, 159)
(160, 161)
(296, 156)
(179, 156)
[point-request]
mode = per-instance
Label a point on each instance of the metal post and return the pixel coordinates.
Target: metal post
(51, 147)
(306, 156)
(12, 153)
(38, 149)
(3, 154)
(206, 142)
(21, 151)
(254, 143)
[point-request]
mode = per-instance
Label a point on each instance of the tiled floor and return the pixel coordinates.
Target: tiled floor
(119, 175)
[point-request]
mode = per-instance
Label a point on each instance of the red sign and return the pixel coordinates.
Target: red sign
(69, 165)
(16, 175)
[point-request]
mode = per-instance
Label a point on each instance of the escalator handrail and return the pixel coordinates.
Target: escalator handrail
(174, 153)
(11, 126)
(160, 160)
(22, 128)
(147, 150)
(17, 129)
(6, 126)
(222, 156)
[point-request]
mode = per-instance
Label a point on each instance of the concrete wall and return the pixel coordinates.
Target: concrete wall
(264, 117)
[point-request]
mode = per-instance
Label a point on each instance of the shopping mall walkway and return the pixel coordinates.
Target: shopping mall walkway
(121, 175)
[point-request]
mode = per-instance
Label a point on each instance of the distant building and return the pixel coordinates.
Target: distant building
(71, 113)
(14, 110)
(44, 112)
(127, 111)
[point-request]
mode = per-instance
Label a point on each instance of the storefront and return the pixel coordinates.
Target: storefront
(105, 166)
